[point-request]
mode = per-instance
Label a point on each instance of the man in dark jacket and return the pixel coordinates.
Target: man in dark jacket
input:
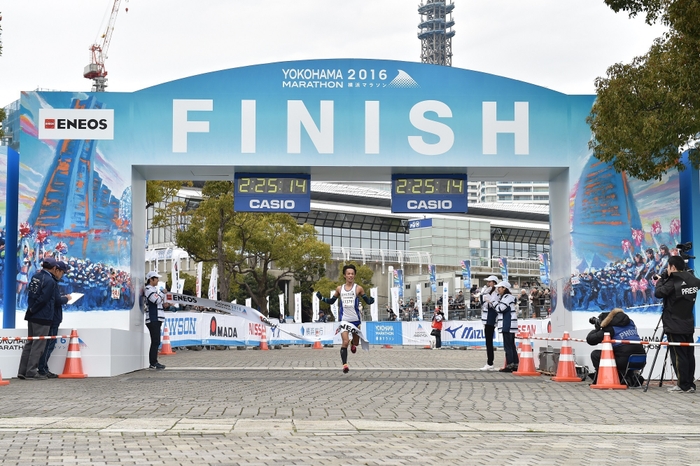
(678, 287)
(620, 327)
(39, 317)
(59, 300)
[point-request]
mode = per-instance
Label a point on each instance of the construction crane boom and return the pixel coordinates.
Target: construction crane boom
(96, 69)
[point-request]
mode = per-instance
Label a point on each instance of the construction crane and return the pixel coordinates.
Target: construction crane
(96, 69)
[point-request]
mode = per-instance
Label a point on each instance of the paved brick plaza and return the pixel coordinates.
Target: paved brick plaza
(400, 406)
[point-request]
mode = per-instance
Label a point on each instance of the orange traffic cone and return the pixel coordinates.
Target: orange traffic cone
(317, 345)
(607, 377)
(166, 349)
(387, 346)
(73, 368)
(263, 341)
(526, 365)
(566, 369)
(3, 382)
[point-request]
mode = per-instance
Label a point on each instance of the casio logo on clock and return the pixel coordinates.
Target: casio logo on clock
(443, 204)
(277, 204)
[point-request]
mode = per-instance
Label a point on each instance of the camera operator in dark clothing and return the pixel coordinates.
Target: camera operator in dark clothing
(678, 287)
(620, 327)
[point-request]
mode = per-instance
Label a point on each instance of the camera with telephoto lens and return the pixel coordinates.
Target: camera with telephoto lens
(594, 321)
(684, 249)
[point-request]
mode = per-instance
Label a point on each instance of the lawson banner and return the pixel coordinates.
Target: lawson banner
(193, 328)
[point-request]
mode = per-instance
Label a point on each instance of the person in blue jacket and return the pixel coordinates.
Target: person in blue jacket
(488, 318)
(620, 327)
(506, 306)
(39, 317)
(59, 300)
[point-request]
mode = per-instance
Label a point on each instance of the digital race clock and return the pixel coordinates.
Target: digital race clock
(271, 192)
(429, 193)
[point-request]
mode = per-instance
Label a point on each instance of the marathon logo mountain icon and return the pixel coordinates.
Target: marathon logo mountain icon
(403, 81)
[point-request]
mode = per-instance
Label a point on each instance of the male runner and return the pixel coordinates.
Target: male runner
(349, 295)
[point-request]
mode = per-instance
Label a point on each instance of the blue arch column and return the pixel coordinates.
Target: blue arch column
(10, 277)
(560, 247)
(690, 218)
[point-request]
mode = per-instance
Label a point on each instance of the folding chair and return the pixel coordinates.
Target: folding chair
(633, 372)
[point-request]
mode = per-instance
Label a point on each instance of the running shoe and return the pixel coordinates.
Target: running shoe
(677, 389)
(488, 367)
(353, 349)
(346, 369)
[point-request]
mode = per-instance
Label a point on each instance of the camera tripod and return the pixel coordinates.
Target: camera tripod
(656, 355)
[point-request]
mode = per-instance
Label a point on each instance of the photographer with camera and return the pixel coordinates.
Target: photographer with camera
(678, 287)
(620, 327)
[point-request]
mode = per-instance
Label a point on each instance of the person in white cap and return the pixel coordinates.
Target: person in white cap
(507, 308)
(155, 316)
(488, 317)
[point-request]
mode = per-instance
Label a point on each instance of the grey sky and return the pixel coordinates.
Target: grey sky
(560, 44)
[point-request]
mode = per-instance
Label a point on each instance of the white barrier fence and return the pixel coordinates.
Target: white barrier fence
(191, 328)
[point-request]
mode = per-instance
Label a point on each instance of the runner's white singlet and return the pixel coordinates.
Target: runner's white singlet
(349, 304)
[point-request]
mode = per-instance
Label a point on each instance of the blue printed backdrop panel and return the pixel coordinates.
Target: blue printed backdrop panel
(3, 197)
(623, 232)
(370, 117)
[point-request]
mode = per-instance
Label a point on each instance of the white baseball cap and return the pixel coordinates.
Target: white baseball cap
(492, 278)
(503, 284)
(152, 274)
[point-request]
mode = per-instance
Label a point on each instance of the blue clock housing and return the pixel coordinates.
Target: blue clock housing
(265, 192)
(429, 193)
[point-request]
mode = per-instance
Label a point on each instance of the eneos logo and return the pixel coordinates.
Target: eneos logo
(86, 124)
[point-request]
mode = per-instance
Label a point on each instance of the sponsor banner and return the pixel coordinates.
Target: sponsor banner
(245, 312)
(198, 280)
(220, 329)
(281, 300)
(445, 301)
(467, 274)
(395, 300)
(184, 328)
(317, 330)
(335, 309)
(433, 281)
(420, 223)
(384, 333)
(419, 301)
(93, 124)
(374, 307)
(471, 332)
(416, 333)
(213, 283)
(503, 265)
(544, 268)
(315, 305)
(398, 281)
(297, 307)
